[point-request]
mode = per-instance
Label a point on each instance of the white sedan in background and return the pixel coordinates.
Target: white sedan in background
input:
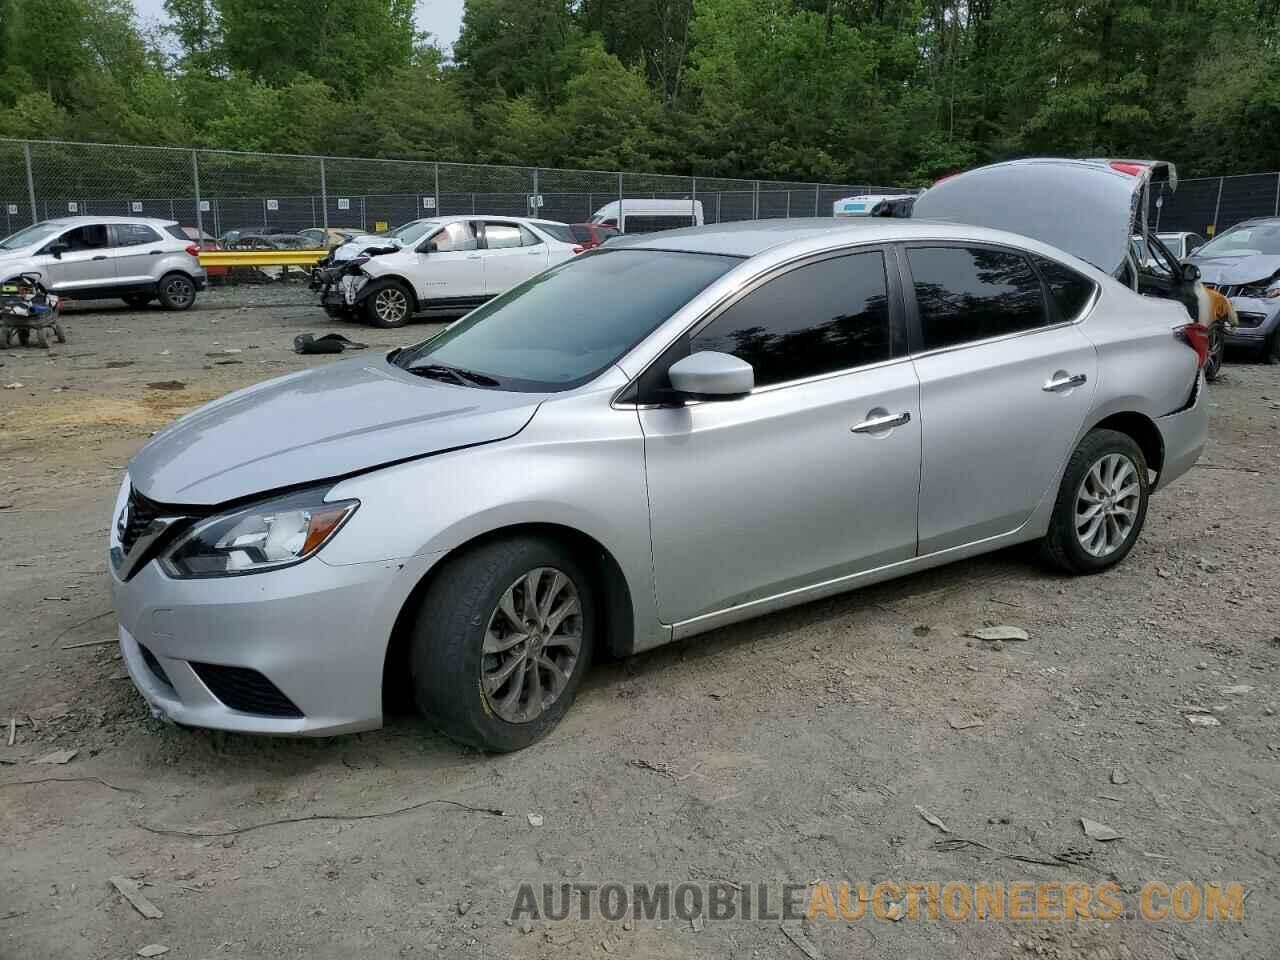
(456, 264)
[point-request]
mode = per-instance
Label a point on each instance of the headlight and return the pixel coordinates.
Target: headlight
(265, 536)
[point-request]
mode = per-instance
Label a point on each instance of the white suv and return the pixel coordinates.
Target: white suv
(458, 264)
(97, 258)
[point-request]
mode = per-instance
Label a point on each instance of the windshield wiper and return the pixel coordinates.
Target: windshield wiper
(441, 371)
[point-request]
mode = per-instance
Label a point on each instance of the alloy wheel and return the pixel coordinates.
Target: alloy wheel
(531, 645)
(391, 305)
(178, 291)
(1107, 501)
(1217, 348)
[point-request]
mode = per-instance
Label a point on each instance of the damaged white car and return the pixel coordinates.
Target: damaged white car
(456, 263)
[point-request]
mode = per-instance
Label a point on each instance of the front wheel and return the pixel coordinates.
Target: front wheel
(502, 641)
(1101, 505)
(388, 304)
(177, 291)
(1217, 350)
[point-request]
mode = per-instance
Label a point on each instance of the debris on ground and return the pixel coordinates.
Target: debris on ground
(58, 757)
(957, 722)
(794, 933)
(1235, 690)
(1004, 632)
(92, 643)
(930, 819)
(1203, 720)
(153, 950)
(13, 730)
(166, 385)
(1118, 776)
(1098, 831)
(464, 907)
(131, 890)
(535, 819)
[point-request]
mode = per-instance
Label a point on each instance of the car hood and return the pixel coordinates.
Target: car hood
(1230, 271)
(357, 245)
(1089, 208)
(319, 424)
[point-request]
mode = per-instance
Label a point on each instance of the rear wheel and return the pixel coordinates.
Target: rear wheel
(1101, 505)
(502, 641)
(1271, 352)
(1217, 350)
(177, 291)
(388, 304)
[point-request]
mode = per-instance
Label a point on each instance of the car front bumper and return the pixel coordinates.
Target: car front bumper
(1258, 320)
(292, 652)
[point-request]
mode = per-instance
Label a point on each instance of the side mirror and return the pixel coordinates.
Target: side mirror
(712, 376)
(1190, 273)
(58, 248)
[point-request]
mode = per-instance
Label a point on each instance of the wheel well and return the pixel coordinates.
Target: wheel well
(1144, 432)
(409, 288)
(608, 581)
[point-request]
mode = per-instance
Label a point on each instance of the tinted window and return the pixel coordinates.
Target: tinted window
(528, 238)
(971, 294)
(652, 223)
(132, 234)
(566, 325)
(816, 319)
(90, 237)
(560, 231)
(459, 235)
(580, 233)
(499, 236)
(1070, 291)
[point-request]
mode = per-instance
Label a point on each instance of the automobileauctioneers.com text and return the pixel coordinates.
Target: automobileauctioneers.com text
(930, 901)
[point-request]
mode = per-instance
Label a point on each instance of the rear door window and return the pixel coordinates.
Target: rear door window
(500, 236)
(818, 318)
(965, 294)
(134, 234)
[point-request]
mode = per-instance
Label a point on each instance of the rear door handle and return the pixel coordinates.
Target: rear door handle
(154, 253)
(1060, 382)
(882, 422)
(474, 256)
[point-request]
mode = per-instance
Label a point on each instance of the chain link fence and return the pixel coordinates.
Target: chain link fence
(219, 191)
(1209, 205)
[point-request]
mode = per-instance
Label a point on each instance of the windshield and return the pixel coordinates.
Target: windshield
(412, 232)
(1245, 241)
(566, 325)
(31, 236)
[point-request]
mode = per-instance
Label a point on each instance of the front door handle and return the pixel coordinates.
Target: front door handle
(154, 253)
(881, 422)
(1061, 381)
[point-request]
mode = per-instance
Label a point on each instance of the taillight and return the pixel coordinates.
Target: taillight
(1132, 169)
(1197, 338)
(193, 250)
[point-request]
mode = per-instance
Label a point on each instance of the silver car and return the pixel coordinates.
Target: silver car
(672, 433)
(98, 258)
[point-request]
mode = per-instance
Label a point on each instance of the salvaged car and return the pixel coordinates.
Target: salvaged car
(456, 264)
(1243, 264)
(668, 434)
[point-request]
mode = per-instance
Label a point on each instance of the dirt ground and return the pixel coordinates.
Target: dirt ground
(797, 748)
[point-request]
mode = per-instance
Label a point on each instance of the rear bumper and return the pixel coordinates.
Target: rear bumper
(1184, 434)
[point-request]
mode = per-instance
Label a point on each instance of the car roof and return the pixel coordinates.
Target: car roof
(747, 238)
(79, 220)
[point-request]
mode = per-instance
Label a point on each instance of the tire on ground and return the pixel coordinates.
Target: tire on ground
(446, 657)
(388, 303)
(176, 291)
(1061, 546)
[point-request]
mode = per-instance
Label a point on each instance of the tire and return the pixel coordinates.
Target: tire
(462, 689)
(388, 303)
(176, 291)
(138, 300)
(1217, 350)
(59, 332)
(1065, 547)
(1271, 352)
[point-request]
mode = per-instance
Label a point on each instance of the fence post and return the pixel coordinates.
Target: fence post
(1217, 206)
(1277, 213)
(324, 199)
(436, 212)
(693, 202)
(788, 204)
(195, 180)
(31, 183)
(755, 202)
(620, 222)
(533, 203)
(817, 199)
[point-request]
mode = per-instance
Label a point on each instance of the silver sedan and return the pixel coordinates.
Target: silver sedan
(667, 435)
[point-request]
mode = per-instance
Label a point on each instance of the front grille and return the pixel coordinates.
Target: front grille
(154, 666)
(245, 690)
(141, 512)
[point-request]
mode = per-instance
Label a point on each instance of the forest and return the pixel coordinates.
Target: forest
(889, 91)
